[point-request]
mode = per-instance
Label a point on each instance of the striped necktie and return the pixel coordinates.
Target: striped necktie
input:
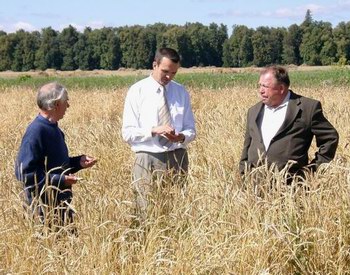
(164, 117)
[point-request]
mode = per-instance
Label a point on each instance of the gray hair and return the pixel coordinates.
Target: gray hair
(49, 94)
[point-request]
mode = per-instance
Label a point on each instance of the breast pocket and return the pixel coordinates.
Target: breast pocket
(299, 128)
(300, 123)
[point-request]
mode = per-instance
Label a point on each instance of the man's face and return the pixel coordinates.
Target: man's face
(61, 107)
(165, 71)
(271, 93)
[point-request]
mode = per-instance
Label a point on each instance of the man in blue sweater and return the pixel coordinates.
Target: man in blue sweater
(43, 163)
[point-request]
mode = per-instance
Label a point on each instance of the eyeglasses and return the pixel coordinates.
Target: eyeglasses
(259, 86)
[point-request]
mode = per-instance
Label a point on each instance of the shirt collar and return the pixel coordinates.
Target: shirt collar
(155, 85)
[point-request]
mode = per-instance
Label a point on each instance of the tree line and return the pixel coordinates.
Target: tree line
(311, 43)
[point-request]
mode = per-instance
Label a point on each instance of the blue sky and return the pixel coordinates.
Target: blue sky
(37, 14)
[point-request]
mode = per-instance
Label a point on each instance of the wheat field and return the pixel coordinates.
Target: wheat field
(215, 225)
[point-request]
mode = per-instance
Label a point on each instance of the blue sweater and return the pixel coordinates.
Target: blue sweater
(43, 148)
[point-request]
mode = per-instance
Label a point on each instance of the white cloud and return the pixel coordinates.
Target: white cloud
(9, 28)
(231, 13)
(315, 9)
(289, 13)
(25, 26)
(96, 25)
(298, 12)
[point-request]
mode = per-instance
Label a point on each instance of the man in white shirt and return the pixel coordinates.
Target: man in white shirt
(281, 127)
(159, 146)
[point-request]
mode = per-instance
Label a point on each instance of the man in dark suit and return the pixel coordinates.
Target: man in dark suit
(281, 127)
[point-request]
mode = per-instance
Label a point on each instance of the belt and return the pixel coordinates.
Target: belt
(161, 153)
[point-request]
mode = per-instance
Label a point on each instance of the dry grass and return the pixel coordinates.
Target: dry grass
(213, 227)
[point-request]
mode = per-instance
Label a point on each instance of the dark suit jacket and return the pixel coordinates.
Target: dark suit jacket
(304, 120)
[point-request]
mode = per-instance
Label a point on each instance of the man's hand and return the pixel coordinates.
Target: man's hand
(175, 137)
(87, 161)
(162, 130)
(70, 179)
(168, 132)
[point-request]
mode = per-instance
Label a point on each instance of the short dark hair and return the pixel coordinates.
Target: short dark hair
(168, 53)
(280, 73)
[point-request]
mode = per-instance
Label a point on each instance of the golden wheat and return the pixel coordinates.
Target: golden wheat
(216, 225)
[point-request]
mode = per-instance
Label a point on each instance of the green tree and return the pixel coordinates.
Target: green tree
(105, 45)
(199, 37)
(207, 43)
(267, 46)
(110, 49)
(291, 45)
(7, 48)
(25, 49)
(48, 54)
(329, 48)
(318, 47)
(245, 53)
(238, 49)
(93, 38)
(67, 40)
(308, 20)
(276, 41)
(84, 51)
(176, 37)
(137, 45)
(226, 54)
(342, 40)
(217, 36)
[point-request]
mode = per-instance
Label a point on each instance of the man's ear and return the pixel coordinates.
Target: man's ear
(282, 88)
(154, 65)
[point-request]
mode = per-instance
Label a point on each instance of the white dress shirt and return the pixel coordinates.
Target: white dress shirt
(141, 115)
(273, 120)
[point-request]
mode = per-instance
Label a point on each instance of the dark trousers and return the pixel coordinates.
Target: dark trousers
(49, 206)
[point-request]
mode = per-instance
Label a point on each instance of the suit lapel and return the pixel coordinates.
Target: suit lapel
(257, 118)
(292, 111)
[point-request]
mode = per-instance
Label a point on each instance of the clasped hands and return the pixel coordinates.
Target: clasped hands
(168, 132)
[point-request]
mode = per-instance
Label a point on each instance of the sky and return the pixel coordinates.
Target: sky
(32, 15)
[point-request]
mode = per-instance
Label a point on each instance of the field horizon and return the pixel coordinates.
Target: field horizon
(144, 72)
